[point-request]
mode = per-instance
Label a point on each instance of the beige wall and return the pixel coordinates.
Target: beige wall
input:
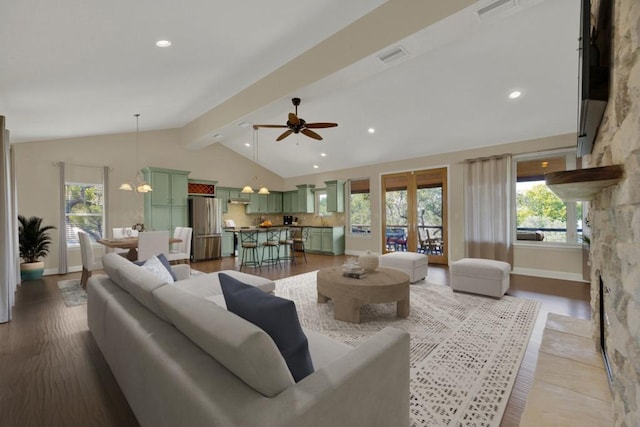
(37, 176)
(559, 262)
(37, 179)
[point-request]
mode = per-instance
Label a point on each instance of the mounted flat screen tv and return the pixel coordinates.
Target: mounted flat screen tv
(596, 22)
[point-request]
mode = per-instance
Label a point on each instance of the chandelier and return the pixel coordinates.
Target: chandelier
(261, 188)
(141, 185)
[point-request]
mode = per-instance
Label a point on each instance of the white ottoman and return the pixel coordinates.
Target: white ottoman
(480, 276)
(411, 263)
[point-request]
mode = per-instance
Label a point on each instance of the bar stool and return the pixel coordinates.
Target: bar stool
(249, 243)
(299, 240)
(272, 245)
(287, 241)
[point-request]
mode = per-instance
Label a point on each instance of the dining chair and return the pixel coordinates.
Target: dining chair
(176, 247)
(152, 243)
(89, 262)
(182, 250)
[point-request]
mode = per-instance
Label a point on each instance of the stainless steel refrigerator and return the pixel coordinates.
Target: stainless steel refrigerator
(205, 217)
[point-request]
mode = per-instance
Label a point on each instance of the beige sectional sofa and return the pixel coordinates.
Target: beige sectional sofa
(180, 358)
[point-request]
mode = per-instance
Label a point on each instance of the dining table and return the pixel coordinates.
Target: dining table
(130, 243)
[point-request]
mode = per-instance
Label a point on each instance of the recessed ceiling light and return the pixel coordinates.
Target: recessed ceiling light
(244, 124)
(246, 144)
(163, 43)
(315, 166)
(515, 94)
(323, 154)
(371, 130)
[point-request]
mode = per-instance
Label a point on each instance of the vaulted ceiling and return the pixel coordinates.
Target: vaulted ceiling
(72, 69)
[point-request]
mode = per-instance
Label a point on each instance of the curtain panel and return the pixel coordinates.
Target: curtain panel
(488, 206)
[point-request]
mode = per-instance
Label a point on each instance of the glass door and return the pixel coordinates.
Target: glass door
(431, 213)
(415, 212)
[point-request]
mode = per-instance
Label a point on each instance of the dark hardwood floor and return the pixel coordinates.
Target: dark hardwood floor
(52, 373)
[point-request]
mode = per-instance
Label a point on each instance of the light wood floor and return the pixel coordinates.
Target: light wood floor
(52, 373)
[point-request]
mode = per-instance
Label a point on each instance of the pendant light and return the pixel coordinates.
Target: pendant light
(141, 185)
(262, 188)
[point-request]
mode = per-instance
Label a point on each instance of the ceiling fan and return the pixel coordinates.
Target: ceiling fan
(298, 125)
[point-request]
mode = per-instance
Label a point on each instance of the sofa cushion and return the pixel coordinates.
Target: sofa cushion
(165, 263)
(243, 348)
(154, 265)
(140, 283)
(207, 285)
(276, 316)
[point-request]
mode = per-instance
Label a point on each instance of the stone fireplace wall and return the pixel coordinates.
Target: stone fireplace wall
(614, 217)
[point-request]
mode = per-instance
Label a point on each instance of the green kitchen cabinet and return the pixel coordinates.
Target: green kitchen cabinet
(166, 207)
(326, 240)
(306, 198)
(222, 194)
(228, 248)
(258, 204)
(274, 202)
(286, 202)
(290, 202)
(315, 240)
(335, 196)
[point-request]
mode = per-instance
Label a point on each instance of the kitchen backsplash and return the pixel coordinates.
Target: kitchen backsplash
(241, 219)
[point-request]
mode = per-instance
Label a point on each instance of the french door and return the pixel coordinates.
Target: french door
(415, 213)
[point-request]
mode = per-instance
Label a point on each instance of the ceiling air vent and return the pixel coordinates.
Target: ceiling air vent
(496, 6)
(393, 55)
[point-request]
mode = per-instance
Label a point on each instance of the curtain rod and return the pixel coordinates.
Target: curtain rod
(58, 163)
(495, 156)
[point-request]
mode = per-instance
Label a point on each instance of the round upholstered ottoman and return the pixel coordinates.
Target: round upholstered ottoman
(411, 263)
(480, 276)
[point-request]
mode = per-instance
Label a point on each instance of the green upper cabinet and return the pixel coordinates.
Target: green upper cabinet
(264, 203)
(306, 198)
(274, 202)
(223, 195)
(166, 207)
(335, 196)
(290, 202)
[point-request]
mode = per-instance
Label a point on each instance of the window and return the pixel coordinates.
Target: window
(359, 206)
(540, 215)
(321, 203)
(84, 211)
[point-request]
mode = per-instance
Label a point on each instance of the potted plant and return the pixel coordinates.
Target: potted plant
(34, 241)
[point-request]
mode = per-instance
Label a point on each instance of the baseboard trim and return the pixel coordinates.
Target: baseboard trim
(54, 271)
(548, 274)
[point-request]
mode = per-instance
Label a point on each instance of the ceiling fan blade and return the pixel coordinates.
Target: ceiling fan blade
(269, 126)
(293, 119)
(320, 125)
(285, 134)
(311, 134)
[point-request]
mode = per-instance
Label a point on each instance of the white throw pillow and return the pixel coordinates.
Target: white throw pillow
(154, 266)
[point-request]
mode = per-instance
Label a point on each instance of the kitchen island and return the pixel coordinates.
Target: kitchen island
(322, 239)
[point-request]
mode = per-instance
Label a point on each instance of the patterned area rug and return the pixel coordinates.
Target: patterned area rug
(465, 349)
(73, 294)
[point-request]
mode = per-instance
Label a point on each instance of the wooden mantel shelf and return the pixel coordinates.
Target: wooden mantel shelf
(582, 184)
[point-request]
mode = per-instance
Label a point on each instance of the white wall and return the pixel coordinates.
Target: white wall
(38, 193)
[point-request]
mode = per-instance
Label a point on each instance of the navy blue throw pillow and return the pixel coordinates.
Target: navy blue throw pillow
(165, 262)
(276, 316)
